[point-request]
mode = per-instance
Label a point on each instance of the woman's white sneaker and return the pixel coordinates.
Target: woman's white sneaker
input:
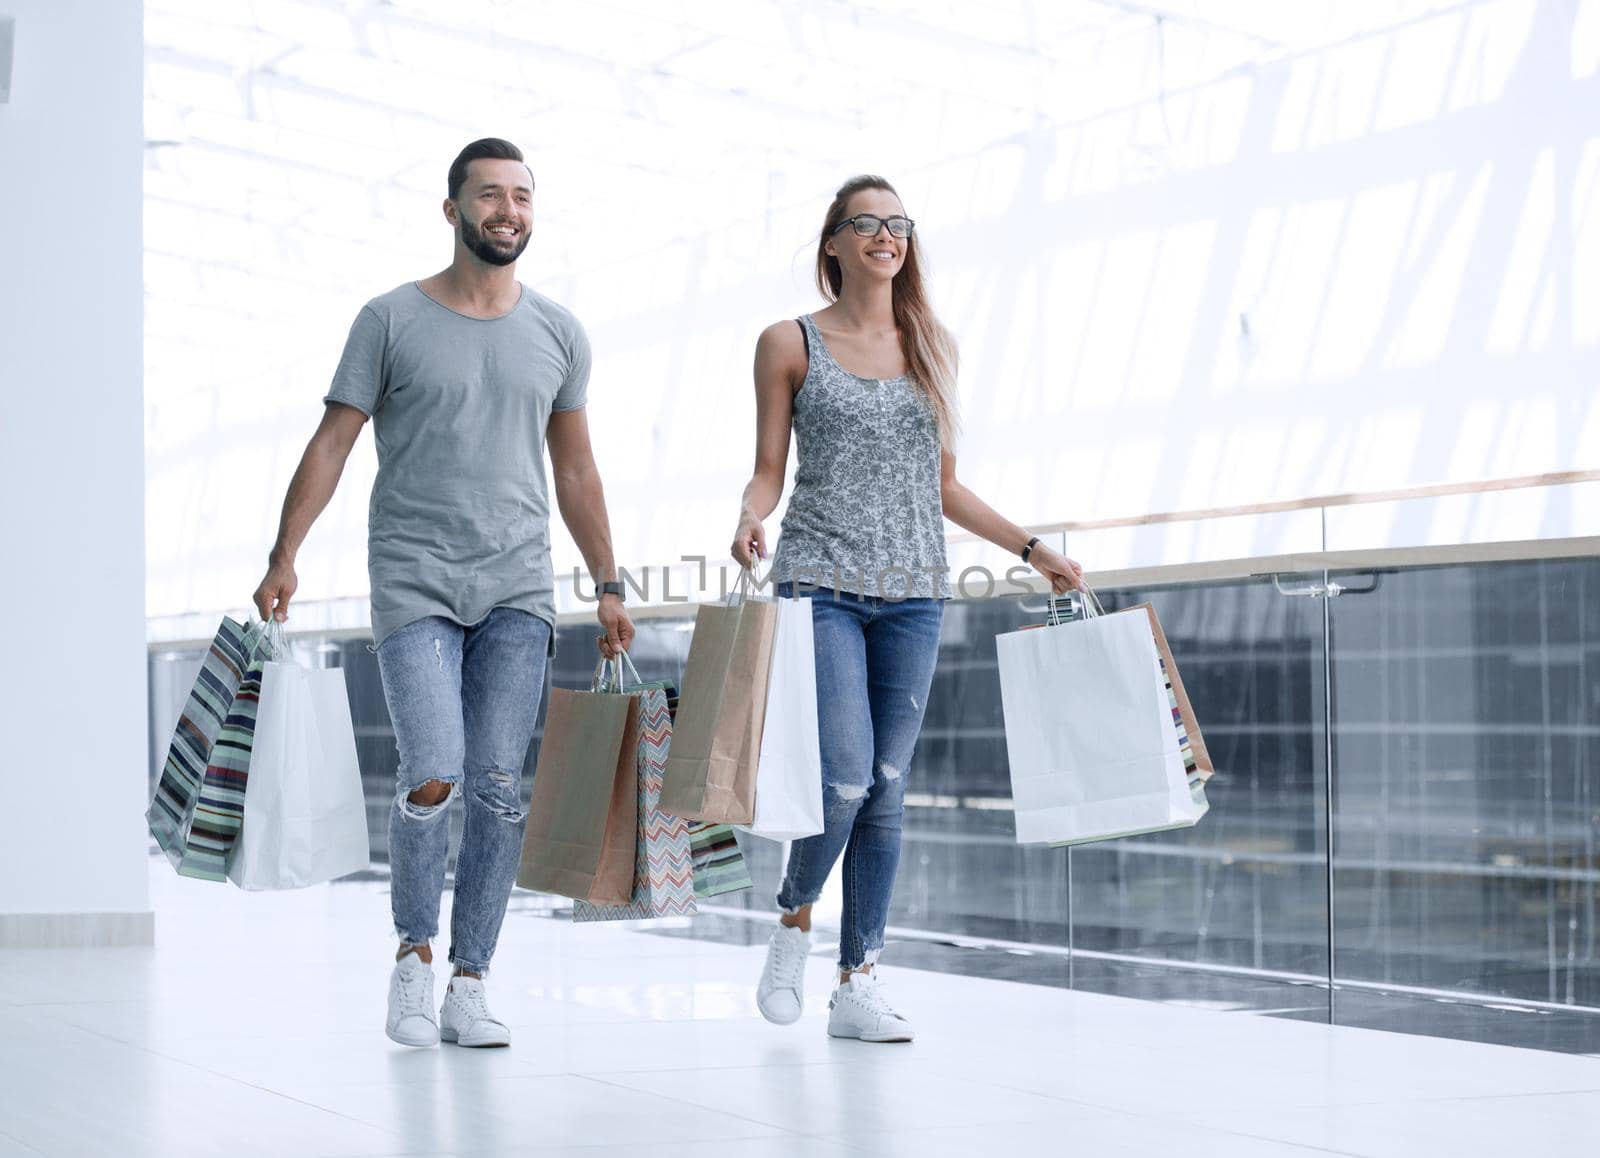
(465, 1018)
(411, 1019)
(859, 1010)
(782, 993)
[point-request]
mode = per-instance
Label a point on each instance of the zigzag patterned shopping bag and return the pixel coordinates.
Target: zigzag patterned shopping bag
(717, 862)
(663, 882)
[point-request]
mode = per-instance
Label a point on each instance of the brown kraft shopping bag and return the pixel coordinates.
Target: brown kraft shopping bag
(716, 739)
(583, 817)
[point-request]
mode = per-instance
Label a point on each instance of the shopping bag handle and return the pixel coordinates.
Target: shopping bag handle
(1059, 604)
(745, 588)
(266, 640)
(605, 681)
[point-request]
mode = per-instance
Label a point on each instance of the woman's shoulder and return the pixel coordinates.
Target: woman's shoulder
(784, 340)
(787, 333)
(784, 348)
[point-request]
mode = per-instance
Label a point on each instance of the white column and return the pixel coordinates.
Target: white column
(73, 863)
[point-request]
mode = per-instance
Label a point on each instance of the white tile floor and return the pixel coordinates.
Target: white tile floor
(254, 1027)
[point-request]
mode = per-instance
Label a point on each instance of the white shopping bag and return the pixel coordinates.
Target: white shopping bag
(305, 819)
(789, 770)
(1090, 732)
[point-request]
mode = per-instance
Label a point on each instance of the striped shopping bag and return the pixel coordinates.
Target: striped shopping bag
(663, 882)
(219, 810)
(1192, 771)
(718, 864)
(204, 713)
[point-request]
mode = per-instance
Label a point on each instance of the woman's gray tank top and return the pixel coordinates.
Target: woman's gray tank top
(866, 514)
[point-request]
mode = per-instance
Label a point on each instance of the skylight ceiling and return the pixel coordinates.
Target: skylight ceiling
(650, 119)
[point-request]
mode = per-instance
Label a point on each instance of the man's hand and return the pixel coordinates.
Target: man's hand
(619, 628)
(272, 597)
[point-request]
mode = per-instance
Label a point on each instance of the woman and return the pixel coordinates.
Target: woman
(868, 386)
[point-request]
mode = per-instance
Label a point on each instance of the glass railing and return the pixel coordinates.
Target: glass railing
(1407, 798)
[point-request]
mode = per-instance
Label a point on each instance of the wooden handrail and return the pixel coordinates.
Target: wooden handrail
(1436, 490)
(1221, 570)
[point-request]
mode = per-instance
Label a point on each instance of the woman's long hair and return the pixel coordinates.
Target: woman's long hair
(929, 348)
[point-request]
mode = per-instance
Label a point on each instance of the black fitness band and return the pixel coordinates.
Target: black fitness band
(1028, 550)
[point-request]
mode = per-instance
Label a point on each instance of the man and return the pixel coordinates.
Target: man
(467, 376)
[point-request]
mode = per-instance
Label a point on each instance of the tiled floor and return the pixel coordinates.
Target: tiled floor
(1575, 1029)
(255, 1028)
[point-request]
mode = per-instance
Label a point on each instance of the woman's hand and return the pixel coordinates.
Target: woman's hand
(749, 542)
(1064, 574)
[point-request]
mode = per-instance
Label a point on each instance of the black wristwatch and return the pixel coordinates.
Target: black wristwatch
(611, 589)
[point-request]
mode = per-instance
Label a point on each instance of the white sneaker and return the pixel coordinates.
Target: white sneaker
(411, 1003)
(781, 994)
(465, 1018)
(859, 1010)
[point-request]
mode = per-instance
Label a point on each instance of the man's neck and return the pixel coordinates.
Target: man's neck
(475, 288)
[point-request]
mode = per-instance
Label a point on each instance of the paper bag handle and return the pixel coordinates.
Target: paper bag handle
(743, 589)
(1060, 604)
(266, 637)
(607, 681)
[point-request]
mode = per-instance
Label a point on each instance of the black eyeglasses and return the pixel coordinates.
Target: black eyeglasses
(866, 225)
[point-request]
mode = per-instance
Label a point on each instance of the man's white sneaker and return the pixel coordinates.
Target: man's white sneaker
(465, 1018)
(781, 994)
(411, 1003)
(858, 1010)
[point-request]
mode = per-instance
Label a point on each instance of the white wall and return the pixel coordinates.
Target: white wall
(72, 687)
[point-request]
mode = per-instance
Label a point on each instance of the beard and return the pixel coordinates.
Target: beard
(490, 249)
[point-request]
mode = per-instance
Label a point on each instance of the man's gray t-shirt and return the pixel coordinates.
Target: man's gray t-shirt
(459, 521)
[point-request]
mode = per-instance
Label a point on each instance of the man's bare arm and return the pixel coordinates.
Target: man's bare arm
(309, 492)
(582, 501)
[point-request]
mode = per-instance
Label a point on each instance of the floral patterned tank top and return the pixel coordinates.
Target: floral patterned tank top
(866, 514)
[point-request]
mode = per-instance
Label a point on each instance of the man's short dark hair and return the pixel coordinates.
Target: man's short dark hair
(489, 148)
